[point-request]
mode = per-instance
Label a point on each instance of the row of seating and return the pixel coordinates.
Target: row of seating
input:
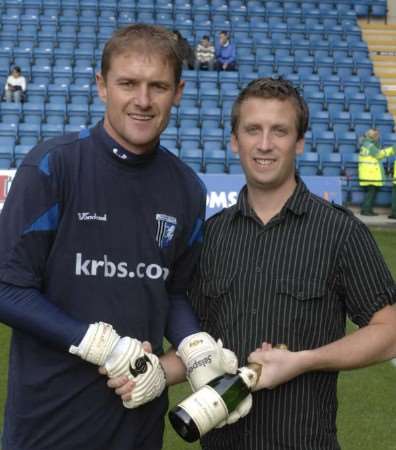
(112, 9)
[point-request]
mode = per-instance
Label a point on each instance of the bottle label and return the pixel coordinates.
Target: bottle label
(249, 376)
(206, 408)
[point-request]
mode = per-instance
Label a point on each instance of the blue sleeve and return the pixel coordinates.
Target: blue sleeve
(182, 320)
(28, 310)
(184, 267)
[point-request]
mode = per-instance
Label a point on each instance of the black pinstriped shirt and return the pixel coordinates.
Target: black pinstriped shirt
(294, 281)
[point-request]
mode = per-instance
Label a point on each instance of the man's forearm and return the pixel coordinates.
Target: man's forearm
(174, 368)
(374, 343)
(371, 344)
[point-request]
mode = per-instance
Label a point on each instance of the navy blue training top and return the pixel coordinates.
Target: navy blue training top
(105, 239)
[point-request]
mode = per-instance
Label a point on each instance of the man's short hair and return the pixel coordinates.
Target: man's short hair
(273, 88)
(145, 39)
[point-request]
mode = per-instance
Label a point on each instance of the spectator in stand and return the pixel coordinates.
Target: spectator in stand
(371, 170)
(225, 52)
(186, 50)
(15, 86)
(204, 54)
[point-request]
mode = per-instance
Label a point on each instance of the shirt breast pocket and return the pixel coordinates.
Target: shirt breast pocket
(304, 310)
(223, 306)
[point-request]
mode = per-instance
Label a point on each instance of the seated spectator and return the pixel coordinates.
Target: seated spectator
(225, 53)
(186, 50)
(205, 54)
(15, 86)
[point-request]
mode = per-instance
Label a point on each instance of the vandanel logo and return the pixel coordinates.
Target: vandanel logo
(91, 216)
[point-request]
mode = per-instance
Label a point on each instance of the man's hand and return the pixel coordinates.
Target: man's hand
(125, 357)
(205, 359)
(279, 366)
(130, 361)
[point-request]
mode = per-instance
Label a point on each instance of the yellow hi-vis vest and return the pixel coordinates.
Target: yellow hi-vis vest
(371, 170)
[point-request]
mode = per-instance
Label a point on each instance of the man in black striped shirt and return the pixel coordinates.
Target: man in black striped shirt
(285, 266)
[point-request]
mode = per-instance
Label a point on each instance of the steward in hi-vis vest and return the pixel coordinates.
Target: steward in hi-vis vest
(371, 170)
(393, 207)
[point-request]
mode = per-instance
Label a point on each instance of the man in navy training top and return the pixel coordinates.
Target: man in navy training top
(99, 237)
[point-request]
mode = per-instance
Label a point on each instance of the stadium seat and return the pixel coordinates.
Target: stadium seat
(214, 161)
(29, 133)
(33, 113)
(55, 113)
(49, 130)
(331, 164)
(192, 157)
(233, 164)
(308, 163)
(189, 137)
(20, 151)
(77, 114)
(350, 163)
(11, 113)
(212, 138)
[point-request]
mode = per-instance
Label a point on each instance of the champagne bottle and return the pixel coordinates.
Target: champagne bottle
(211, 404)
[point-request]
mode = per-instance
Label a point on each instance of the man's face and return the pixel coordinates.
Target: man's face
(266, 140)
(223, 39)
(139, 92)
(205, 42)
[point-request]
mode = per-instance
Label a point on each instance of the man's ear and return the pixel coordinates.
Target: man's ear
(179, 92)
(101, 86)
(300, 146)
(234, 144)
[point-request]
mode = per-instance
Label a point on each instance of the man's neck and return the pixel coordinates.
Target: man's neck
(268, 202)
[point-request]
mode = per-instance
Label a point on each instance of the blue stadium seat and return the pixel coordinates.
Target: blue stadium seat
(320, 121)
(331, 164)
(214, 161)
(189, 137)
(11, 113)
(55, 113)
(33, 113)
(212, 138)
(362, 121)
(6, 162)
(96, 112)
(308, 163)
(29, 133)
(384, 122)
(77, 114)
(58, 93)
(350, 162)
(49, 130)
(192, 157)
(20, 151)
(80, 94)
(233, 162)
(324, 141)
(210, 117)
(188, 116)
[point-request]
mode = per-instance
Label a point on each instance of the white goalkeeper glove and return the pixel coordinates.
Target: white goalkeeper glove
(101, 345)
(97, 344)
(205, 359)
(250, 378)
(129, 358)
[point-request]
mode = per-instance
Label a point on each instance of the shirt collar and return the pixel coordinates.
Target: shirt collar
(297, 203)
(120, 153)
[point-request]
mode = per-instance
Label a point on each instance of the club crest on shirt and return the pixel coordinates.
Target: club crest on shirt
(166, 226)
